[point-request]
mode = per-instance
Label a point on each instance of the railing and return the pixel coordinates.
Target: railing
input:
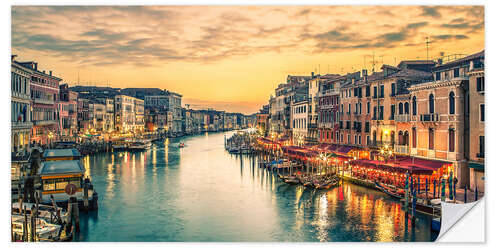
(402, 118)
(380, 143)
(45, 122)
(429, 117)
(20, 125)
(402, 149)
(43, 101)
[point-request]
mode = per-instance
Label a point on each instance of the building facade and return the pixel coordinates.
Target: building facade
(21, 124)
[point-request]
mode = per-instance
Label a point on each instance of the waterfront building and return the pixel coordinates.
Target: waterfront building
(138, 126)
(21, 124)
(83, 116)
(441, 123)
(68, 105)
(328, 110)
(475, 119)
(97, 114)
(44, 91)
(125, 117)
(170, 103)
(300, 116)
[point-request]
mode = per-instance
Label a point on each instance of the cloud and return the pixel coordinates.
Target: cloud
(449, 37)
(430, 11)
(148, 35)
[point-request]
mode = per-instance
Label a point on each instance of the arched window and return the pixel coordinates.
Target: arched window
(431, 104)
(451, 140)
(374, 136)
(400, 138)
(405, 139)
(452, 103)
(407, 108)
(414, 137)
(414, 105)
(400, 108)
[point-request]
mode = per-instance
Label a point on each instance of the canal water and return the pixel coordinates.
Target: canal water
(202, 193)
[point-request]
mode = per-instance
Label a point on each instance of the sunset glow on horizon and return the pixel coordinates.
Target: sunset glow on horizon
(233, 57)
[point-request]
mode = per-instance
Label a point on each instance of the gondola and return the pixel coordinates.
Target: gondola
(386, 190)
(327, 185)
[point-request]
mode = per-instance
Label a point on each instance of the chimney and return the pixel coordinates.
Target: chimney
(43, 71)
(312, 74)
(50, 72)
(36, 65)
(365, 72)
(12, 57)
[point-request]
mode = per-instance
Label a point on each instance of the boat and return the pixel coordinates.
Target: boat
(56, 176)
(139, 145)
(387, 190)
(50, 213)
(61, 154)
(119, 145)
(292, 180)
(327, 185)
(420, 206)
(44, 231)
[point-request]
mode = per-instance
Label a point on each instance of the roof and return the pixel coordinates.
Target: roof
(61, 167)
(67, 152)
(461, 60)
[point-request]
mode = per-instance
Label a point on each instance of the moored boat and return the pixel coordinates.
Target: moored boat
(44, 231)
(58, 177)
(390, 191)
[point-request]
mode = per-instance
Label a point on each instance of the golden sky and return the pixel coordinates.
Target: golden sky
(232, 57)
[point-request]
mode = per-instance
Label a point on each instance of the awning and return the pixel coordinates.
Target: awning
(422, 163)
(477, 166)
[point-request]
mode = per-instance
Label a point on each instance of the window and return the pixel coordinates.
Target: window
(400, 108)
(438, 76)
(393, 89)
(49, 184)
(414, 137)
(393, 110)
(481, 107)
(431, 104)
(451, 140)
(374, 113)
(349, 139)
(375, 92)
(451, 101)
(367, 91)
(381, 91)
(481, 146)
(407, 108)
(480, 84)
(456, 72)
(368, 107)
(431, 138)
(414, 105)
(381, 113)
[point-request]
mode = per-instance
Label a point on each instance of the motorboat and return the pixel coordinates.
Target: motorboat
(52, 214)
(139, 145)
(44, 231)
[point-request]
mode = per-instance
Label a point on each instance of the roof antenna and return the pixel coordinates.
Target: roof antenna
(427, 44)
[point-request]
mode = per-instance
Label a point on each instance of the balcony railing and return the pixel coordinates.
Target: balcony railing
(380, 143)
(429, 117)
(43, 101)
(402, 149)
(402, 118)
(45, 122)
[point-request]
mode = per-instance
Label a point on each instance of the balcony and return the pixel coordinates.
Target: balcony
(21, 125)
(373, 143)
(402, 118)
(402, 149)
(429, 117)
(45, 122)
(43, 101)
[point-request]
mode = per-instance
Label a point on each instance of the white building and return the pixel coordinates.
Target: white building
(20, 107)
(300, 117)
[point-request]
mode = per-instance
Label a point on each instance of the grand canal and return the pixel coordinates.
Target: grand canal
(202, 193)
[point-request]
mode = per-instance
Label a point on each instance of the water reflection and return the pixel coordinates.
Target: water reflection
(202, 193)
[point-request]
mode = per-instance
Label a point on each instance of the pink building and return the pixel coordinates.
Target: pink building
(44, 97)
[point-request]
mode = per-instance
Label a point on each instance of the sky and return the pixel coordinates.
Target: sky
(233, 57)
